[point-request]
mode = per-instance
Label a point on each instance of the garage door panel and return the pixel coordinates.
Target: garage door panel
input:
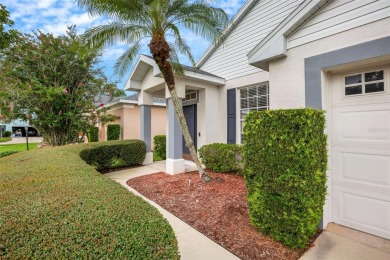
(369, 124)
(366, 168)
(362, 212)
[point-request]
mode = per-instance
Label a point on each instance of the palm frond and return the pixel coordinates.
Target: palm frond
(126, 59)
(110, 34)
(175, 62)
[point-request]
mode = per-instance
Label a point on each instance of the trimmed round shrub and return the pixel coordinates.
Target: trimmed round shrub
(7, 134)
(220, 157)
(93, 134)
(113, 132)
(160, 146)
(285, 154)
(114, 154)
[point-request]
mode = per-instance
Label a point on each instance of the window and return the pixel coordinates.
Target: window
(364, 83)
(253, 98)
(191, 96)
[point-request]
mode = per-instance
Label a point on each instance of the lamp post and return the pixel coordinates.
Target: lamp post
(26, 128)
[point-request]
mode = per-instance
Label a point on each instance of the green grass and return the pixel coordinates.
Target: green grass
(16, 147)
(5, 139)
(54, 205)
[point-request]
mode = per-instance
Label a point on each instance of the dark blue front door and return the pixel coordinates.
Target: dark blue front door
(190, 115)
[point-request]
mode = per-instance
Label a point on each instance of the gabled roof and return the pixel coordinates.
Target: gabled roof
(274, 45)
(146, 62)
(236, 19)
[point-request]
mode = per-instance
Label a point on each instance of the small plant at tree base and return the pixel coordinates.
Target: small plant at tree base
(285, 154)
(221, 157)
(113, 132)
(160, 146)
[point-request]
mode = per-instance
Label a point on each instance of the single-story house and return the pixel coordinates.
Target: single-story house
(323, 54)
(128, 114)
(18, 128)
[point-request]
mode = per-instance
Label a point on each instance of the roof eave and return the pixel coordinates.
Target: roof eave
(260, 55)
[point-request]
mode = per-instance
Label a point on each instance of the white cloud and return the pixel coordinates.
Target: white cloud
(53, 16)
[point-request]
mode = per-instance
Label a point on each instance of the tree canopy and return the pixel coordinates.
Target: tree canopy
(54, 83)
(6, 36)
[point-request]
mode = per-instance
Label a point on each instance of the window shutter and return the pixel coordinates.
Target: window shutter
(231, 116)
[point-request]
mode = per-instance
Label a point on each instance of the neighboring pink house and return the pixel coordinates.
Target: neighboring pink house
(128, 113)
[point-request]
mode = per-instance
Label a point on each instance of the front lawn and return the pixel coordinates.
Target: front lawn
(5, 139)
(54, 205)
(16, 147)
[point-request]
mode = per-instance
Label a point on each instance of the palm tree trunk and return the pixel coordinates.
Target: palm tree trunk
(161, 53)
(187, 137)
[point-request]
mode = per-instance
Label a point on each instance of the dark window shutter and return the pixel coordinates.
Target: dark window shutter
(231, 116)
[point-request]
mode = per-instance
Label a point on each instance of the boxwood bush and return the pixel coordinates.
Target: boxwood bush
(220, 157)
(55, 206)
(113, 154)
(160, 146)
(113, 132)
(93, 134)
(285, 154)
(7, 134)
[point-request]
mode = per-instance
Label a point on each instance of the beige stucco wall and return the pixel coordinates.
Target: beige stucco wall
(128, 117)
(159, 121)
(286, 75)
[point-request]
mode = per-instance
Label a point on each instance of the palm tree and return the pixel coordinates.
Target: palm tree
(137, 20)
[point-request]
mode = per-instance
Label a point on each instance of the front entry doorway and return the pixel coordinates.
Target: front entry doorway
(190, 115)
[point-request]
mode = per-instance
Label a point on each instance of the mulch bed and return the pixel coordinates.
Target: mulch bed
(218, 209)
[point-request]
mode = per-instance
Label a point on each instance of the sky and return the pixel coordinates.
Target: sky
(53, 16)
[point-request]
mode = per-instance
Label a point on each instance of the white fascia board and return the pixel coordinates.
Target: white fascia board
(210, 79)
(236, 19)
(135, 84)
(262, 53)
(277, 50)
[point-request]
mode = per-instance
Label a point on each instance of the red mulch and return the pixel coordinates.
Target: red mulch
(218, 209)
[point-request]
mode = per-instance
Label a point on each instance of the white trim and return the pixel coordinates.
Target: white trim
(175, 166)
(148, 158)
(299, 16)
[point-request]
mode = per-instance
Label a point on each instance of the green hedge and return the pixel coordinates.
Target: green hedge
(285, 155)
(93, 134)
(55, 206)
(7, 134)
(160, 146)
(113, 132)
(220, 157)
(6, 153)
(113, 154)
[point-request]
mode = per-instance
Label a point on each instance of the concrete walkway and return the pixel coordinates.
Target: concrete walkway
(22, 140)
(336, 243)
(192, 244)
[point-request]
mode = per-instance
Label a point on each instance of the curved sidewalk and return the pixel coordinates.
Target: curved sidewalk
(192, 244)
(22, 140)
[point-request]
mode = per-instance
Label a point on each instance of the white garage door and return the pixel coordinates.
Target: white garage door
(360, 150)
